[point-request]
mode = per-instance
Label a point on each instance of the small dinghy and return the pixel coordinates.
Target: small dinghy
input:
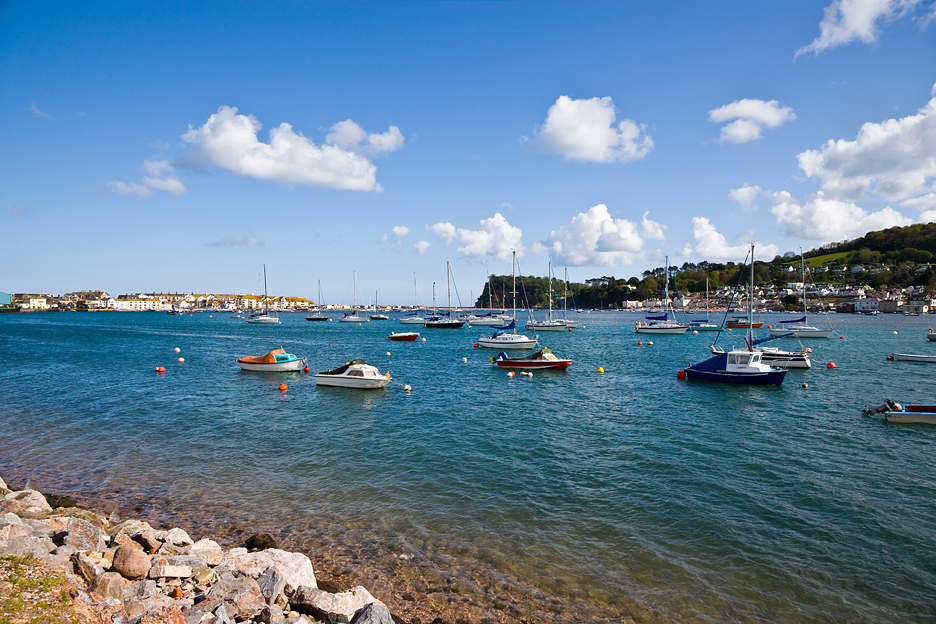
(544, 359)
(404, 336)
(276, 361)
(896, 413)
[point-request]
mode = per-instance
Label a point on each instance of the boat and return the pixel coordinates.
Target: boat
(354, 374)
(743, 322)
(318, 316)
(506, 336)
(549, 324)
(896, 413)
(704, 324)
(404, 336)
(377, 316)
(573, 323)
(931, 335)
(353, 316)
(776, 356)
(489, 318)
(909, 357)
(445, 320)
(413, 317)
(276, 361)
(662, 324)
(739, 366)
(263, 318)
(544, 359)
(798, 327)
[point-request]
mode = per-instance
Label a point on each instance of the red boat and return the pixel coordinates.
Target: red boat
(544, 359)
(407, 336)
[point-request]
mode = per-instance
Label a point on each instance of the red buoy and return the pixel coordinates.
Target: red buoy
(181, 360)
(841, 337)
(639, 343)
(305, 370)
(830, 365)
(890, 357)
(160, 369)
(476, 345)
(680, 374)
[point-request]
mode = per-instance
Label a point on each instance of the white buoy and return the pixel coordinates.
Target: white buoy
(407, 387)
(177, 349)
(695, 332)
(510, 374)
(424, 340)
(895, 333)
(388, 354)
(465, 360)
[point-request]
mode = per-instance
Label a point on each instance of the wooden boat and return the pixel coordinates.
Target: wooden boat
(896, 413)
(276, 361)
(544, 359)
(354, 374)
(404, 336)
(909, 357)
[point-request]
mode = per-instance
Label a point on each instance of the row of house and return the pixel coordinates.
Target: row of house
(157, 302)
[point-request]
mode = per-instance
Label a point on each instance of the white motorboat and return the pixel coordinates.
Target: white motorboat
(662, 324)
(931, 335)
(353, 316)
(777, 357)
(263, 318)
(354, 374)
(276, 361)
(909, 357)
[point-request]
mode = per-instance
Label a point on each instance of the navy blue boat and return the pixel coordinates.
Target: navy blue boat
(740, 366)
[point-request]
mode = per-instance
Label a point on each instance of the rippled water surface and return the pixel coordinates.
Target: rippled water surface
(564, 497)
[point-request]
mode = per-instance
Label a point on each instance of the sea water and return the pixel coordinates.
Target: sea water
(565, 496)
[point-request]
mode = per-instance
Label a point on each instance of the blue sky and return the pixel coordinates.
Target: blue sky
(180, 146)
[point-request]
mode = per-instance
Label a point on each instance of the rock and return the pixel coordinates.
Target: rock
(39, 528)
(108, 585)
(295, 568)
(170, 571)
(65, 551)
(83, 535)
(15, 530)
(187, 560)
(140, 590)
(3, 485)
(85, 566)
(178, 537)
(10, 519)
(129, 527)
(209, 550)
(260, 541)
(122, 538)
(55, 501)
(243, 592)
(335, 608)
(374, 613)
(58, 523)
(164, 615)
(131, 562)
(26, 501)
(272, 584)
(35, 547)
(148, 540)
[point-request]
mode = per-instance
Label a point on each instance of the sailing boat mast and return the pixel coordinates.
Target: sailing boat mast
(550, 290)
(448, 288)
(750, 331)
(513, 269)
(266, 297)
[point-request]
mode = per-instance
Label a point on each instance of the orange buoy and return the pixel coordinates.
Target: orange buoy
(283, 387)
(305, 370)
(177, 349)
(830, 365)
(160, 369)
(680, 374)
(181, 360)
(510, 374)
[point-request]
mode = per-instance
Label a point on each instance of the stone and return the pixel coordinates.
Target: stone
(65, 551)
(204, 575)
(83, 535)
(131, 562)
(55, 501)
(171, 550)
(336, 608)
(128, 527)
(374, 613)
(243, 592)
(10, 519)
(187, 560)
(57, 523)
(147, 539)
(3, 485)
(108, 585)
(209, 550)
(272, 584)
(39, 528)
(140, 590)
(164, 615)
(170, 571)
(15, 530)
(26, 500)
(85, 566)
(295, 568)
(260, 541)
(35, 547)
(178, 537)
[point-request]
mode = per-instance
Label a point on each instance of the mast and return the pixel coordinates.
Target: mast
(354, 292)
(448, 288)
(266, 297)
(803, 263)
(666, 286)
(550, 290)
(415, 296)
(751, 299)
(434, 309)
(565, 293)
(490, 304)
(513, 268)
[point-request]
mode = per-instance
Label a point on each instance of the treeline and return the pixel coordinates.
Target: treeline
(895, 244)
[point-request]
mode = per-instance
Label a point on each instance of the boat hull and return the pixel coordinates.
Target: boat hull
(354, 319)
(443, 324)
(404, 336)
(317, 318)
(278, 367)
(909, 357)
(772, 378)
(931, 335)
(800, 332)
(412, 320)
(488, 321)
(534, 364)
(744, 325)
(547, 326)
(493, 343)
(908, 416)
(264, 320)
(340, 381)
(649, 329)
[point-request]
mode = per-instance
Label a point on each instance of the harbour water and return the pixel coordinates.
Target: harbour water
(562, 497)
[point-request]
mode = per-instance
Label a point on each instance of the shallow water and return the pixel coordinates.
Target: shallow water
(564, 497)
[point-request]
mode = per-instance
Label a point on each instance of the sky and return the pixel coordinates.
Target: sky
(182, 146)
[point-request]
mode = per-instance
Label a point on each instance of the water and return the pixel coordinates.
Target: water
(565, 497)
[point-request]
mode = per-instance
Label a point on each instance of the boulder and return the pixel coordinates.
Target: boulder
(10, 519)
(335, 608)
(131, 562)
(209, 550)
(272, 584)
(129, 527)
(295, 568)
(140, 590)
(26, 501)
(39, 528)
(170, 571)
(374, 613)
(187, 560)
(15, 530)
(178, 537)
(260, 541)
(147, 539)
(55, 501)
(3, 485)
(83, 535)
(243, 593)
(35, 547)
(164, 615)
(108, 585)
(86, 567)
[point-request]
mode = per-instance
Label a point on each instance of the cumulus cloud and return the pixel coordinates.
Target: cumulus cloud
(13, 209)
(400, 231)
(894, 160)
(746, 196)
(921, 203)
(827, 219)
(711, 245)
(495, 237)
(160, 176)
(751, 117)
(229, 141)
(32, 108)
(585, 131)
(238, 241)
(845, 21)
(594, 238)
(421, 248)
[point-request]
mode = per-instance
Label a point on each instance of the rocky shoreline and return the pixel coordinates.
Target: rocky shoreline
(132, 573)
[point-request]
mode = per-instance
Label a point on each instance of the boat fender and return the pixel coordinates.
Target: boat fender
(895, 333)
(569, 328)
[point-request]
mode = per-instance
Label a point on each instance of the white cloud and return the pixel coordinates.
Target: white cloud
(585, 131)
(420, 248)
(122, 188)
(229, 141)
(238, 241)
(507, 205)
(710, 245)
(32, 108)
(160, 176)
(594, 238)
(827, 219)
(894, 159)
(13, 209)
(921, 203)
(845, 21)
(751, 117)
(746, 196)
(496, 237)
(400, 231)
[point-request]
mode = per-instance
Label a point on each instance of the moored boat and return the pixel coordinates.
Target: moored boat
(896, 413)
(506, 337)
(662, 324)
(404, 336)
(910, 357)
(544, 359)
(276, 361)
(264, 317)
(354, 374)
(931, 335)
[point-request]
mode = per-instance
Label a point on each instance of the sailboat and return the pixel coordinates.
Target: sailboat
(488, 318)
(700, 325)
(353, 316)
(318, 316)
(573, 323)
(446, 321)
(549, 324)
(264, 317)
(413, 317)
(798, 327)
(739, 366)
(662, 324)
(376, 316)
(501, 339)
